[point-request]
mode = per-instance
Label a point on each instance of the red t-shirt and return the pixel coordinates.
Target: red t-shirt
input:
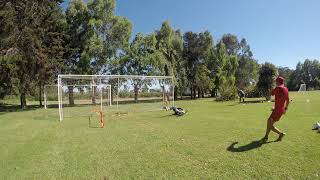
(281, 96)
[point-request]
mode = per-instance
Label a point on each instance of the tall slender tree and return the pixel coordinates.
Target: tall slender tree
(29, 29)
(196, 52)
(169, 43)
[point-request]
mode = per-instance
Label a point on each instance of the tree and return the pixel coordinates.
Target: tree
(196, 52)
(7, 79)
(285, 72)
(76, 58)
(247, 71)
(267, 74)
(204, 76)
(217, 66)
(227, 78)
(169, 43)
(307, 72)
(111, 34)
(141, 58)
(232, 44)
(26, 29)
(51, 53)
(96, 36)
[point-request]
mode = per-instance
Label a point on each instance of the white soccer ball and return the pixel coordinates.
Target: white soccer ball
(308, 100)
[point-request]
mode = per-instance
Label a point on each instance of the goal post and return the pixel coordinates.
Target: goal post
(129, 93)
(303, 88)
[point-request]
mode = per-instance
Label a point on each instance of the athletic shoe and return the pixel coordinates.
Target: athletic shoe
(264, 140)
(281, 136)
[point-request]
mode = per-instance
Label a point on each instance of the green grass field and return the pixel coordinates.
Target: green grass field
(215, 140)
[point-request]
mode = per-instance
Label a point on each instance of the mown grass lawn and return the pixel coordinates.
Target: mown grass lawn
(214, 140)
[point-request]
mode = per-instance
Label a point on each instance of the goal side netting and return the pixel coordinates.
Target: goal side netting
(79, 95)
(82, 96)
(303, 88)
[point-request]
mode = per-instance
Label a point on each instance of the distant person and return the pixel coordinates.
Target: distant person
(281, 105)
(241, 95)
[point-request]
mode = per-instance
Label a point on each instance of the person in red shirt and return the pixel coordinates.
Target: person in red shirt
(281, 105)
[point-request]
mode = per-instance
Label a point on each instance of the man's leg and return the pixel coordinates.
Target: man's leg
(275, 129)
(269, 127)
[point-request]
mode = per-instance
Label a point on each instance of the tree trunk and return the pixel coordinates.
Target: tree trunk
(202, 94)
(212, 93)
(194, 93)
(136, 93)
(191, 93)
(175, 93)
(23, 101)
(40, 94)
(71, 99)
(199, 93)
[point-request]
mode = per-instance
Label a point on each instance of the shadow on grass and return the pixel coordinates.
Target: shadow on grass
(7, 108)
(248, 102)
(169, 115)
(247, 147)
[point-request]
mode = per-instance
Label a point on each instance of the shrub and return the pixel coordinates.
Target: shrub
(227, 93)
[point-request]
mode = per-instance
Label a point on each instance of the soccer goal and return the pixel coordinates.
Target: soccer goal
(303, 88)
(79, 95)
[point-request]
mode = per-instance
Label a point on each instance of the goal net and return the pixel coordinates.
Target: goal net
(77, 95)
(80, 95)
(302, 88)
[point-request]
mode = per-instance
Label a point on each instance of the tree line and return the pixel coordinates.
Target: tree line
(39, 40)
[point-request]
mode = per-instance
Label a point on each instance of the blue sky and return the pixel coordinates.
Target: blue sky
(283, 32)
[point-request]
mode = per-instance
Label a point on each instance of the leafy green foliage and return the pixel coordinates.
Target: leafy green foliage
(307, 72)
(31, 39)
(197, 55)
(142, 58)
(170, 44)
(38, 41)
(267, 74)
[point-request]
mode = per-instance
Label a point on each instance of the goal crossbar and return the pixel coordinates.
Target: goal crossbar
(89, 77)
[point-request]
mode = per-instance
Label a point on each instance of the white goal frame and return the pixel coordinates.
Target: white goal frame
(102, 77)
